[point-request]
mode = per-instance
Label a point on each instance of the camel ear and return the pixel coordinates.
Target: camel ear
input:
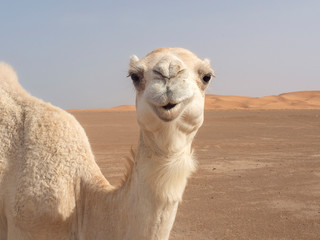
(206, 67)
(135, 65)
(206, 62)
(133, 60)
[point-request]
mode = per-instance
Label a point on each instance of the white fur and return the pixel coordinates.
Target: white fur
(50, 185)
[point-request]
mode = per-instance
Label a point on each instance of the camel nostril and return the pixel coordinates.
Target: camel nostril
(169, 106)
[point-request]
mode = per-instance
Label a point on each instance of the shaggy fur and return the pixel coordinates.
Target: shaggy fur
(50, 184)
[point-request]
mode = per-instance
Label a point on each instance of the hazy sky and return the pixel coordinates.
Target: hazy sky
(75, 54)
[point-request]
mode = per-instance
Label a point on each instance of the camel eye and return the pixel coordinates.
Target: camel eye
(135, 78)
(206, 78)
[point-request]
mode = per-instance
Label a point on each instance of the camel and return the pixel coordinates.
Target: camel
(50, 184)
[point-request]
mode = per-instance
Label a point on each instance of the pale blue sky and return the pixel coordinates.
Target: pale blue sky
(74, 54)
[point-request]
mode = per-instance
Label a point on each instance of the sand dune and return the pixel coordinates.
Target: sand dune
(293, 100)
(123, 108)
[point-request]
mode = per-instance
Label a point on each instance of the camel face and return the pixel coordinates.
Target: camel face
(170, 83)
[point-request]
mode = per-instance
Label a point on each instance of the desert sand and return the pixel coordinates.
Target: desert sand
(259, 170)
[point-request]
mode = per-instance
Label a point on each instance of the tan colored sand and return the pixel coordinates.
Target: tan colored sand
(258, 176)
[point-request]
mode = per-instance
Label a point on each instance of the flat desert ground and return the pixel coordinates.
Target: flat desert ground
(259, 167)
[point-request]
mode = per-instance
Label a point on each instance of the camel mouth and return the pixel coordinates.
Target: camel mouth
(169, 106)
(169, 111)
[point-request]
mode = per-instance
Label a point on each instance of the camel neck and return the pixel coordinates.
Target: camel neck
(163, 173)
(154, 189)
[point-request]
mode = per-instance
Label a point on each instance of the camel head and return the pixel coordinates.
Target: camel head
(170, 85)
